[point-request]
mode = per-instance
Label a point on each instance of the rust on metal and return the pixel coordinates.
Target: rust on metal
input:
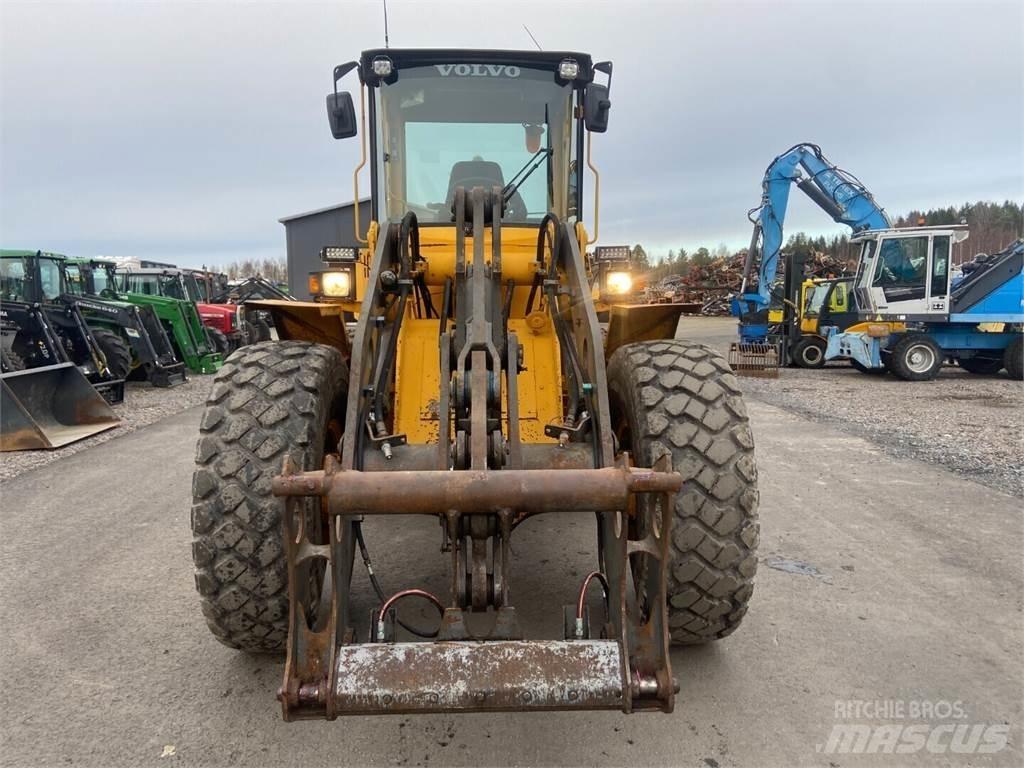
(469, 676)
(760, 360)
(49, 407)
(477, 491)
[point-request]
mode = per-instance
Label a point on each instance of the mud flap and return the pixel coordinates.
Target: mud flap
(50, 407)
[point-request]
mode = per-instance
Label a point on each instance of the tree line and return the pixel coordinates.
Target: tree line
(275, 269)
(993, 226)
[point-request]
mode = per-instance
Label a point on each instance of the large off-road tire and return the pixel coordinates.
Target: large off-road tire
(269, 400)
(1013, 358)
(916, 357)
(809, 352)
(681, 398)
(115, 350)
(218, 341)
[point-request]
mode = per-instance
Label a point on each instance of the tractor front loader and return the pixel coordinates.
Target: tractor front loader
(144, 346)
(476, 389)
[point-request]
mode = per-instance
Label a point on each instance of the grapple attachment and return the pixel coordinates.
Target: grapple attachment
(49, 407)
(757, 359)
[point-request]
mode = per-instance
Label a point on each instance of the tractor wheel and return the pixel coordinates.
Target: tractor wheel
(682, 399)
(10, 361)
(218, 341)
(1013, 358)
(809, 352)
(115, 350)
(268, 401)
(981, 364)
(916, 357)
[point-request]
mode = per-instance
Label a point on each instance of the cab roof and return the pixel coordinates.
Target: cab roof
(420, 57)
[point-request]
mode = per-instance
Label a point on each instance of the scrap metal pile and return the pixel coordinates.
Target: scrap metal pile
(708, 287)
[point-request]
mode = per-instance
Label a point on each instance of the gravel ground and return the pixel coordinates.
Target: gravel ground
(973, 425)
(143, 404)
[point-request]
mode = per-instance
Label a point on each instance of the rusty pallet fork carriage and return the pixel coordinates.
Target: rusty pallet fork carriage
(477, 388)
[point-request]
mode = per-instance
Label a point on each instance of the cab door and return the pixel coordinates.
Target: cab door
(839, 308)
(899, 283)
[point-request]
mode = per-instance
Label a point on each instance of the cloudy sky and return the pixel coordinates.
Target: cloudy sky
(184, 131)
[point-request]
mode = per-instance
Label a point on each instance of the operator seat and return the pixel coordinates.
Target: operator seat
(480, 173)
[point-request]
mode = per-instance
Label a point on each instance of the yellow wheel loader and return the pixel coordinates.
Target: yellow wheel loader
(454, 367)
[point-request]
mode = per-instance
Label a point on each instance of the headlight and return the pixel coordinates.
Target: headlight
(619, 282)
(568, 69)
(334, 285)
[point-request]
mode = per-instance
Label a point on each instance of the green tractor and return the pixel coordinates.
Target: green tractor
(179, 317)
(146, 347)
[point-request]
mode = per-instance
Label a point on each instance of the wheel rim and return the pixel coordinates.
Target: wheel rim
(920, 358)
(812, 354)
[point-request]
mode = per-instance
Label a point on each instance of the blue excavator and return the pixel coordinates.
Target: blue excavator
(912, 313)
(764, 345)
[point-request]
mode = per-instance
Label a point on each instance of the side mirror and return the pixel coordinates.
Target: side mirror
(596, 106)
(341, 114)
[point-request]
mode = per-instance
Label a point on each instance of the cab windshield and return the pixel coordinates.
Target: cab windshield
(102, 280)
(450, 125)
(815, 298)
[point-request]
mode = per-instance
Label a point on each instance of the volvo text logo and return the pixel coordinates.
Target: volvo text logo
(478, 70)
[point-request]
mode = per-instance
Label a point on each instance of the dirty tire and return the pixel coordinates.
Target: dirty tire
(809, 352)
(681, 398)
(10, 361)
(1013, 358)
(916, 357)
(269, 400)
(115, 350)
(218, 341)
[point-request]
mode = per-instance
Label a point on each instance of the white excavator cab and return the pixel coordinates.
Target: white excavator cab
(904, 274)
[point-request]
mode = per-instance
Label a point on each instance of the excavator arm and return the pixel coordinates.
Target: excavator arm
(839, 193)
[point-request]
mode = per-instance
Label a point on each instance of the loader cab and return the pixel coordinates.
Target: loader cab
(904, 274)
(440, 119)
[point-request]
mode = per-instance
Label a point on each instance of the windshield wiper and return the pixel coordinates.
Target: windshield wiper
(510, 189)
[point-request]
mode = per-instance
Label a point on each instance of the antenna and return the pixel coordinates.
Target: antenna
(532, 37)
(386, 24)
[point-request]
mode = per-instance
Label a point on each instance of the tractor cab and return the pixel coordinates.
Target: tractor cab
(904, 274)
(31, 277)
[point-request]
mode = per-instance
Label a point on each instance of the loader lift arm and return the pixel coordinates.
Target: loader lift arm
(837, 192)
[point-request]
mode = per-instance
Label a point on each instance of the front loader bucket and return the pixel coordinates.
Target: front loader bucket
(50, 407)
(759, 359)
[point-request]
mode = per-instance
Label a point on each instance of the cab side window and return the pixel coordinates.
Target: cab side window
(74, 279)
(940, 266)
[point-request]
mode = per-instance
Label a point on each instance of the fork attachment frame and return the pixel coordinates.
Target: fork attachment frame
(480, 482)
